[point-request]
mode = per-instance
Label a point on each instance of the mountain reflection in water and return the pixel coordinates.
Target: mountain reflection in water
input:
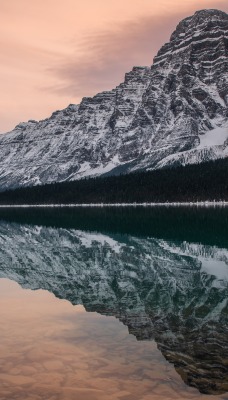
(156, 281)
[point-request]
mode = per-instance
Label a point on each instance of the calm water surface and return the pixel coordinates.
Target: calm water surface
(114, 304)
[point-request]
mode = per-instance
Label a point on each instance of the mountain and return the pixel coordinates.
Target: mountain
(173, 292)
(174, 112)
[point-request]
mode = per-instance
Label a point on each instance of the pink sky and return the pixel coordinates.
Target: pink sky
(54, 52)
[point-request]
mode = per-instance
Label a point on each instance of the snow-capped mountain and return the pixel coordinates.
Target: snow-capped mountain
(174, 112)
(173, 292)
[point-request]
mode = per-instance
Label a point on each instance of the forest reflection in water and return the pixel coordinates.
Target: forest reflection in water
(143, 267)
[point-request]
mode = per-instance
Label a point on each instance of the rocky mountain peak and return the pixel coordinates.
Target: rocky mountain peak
(206, 29)
(175, 112)
(200, 20)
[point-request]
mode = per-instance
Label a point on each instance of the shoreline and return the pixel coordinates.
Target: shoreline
(167, 204)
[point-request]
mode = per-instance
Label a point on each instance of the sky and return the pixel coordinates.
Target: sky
(54, 52)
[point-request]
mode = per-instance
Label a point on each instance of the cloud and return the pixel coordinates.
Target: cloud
(101, 60)
(107, 55)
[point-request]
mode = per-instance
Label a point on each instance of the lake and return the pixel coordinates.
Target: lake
(106, 304)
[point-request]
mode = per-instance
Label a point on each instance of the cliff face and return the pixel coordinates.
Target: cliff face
(173, 292)
(174, 112)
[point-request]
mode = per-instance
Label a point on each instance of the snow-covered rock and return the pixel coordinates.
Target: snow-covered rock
(174, 112)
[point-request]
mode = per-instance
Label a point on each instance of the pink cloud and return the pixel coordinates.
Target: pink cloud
(107, 55)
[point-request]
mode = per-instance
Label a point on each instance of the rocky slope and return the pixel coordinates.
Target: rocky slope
(174, 112)
(173, 292)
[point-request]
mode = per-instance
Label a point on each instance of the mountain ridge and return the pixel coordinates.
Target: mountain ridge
(156, 118)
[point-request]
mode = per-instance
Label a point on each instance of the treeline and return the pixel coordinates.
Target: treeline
(201, 182)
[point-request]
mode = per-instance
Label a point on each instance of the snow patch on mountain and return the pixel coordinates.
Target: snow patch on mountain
(215, 137)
